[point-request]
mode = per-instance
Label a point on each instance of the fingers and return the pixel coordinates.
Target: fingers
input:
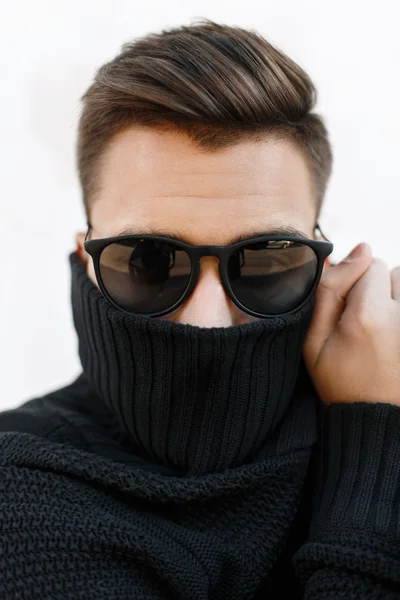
(336, 284)
(374, 289)
(334, 287)
(395, 281)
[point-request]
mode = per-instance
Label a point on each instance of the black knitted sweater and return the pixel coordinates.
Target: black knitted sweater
(83, 516)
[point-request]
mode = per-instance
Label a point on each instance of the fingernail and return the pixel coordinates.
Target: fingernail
(356, 253)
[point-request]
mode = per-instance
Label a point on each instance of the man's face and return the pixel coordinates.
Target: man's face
(160, 181)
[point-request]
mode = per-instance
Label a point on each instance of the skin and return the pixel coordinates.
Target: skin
(159, 182)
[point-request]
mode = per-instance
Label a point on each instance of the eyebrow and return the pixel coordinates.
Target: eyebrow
(281, 230)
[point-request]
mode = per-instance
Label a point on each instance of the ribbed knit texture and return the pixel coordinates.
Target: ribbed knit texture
(356, 517)
(77, 523)
(196, 399)
(314, 515)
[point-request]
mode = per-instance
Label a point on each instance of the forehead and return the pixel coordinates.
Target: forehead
(160, 181)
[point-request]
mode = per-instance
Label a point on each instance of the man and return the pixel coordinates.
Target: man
(235, 429)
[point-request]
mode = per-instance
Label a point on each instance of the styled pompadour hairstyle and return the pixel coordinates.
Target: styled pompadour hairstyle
(219, 84)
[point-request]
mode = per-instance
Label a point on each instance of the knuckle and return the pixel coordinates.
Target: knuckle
(372, 319)
(366, 321)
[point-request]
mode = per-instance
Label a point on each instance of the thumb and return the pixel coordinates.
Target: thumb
(335, 284)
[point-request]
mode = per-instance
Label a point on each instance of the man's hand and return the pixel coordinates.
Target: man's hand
(352, 347)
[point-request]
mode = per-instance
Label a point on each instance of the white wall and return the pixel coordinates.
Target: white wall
(49, 52)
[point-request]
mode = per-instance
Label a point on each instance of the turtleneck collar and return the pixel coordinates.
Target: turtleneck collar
(199, 400)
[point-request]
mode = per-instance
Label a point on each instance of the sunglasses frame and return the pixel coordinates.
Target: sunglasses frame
(95, 247)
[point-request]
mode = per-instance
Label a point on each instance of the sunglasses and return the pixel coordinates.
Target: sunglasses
(153, 275)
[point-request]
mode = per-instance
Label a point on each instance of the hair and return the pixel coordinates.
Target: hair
(218, 84)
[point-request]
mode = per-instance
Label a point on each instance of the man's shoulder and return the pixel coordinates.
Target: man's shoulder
(42, 416)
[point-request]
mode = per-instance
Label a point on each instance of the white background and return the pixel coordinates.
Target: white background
(49, 52)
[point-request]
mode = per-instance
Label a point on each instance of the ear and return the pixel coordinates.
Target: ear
(80, 250)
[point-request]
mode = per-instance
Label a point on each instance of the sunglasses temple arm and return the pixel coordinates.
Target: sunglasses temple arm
(88, 229)
(321, 232)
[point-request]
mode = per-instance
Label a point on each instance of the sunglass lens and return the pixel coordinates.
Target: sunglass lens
(272, 277)
(145, 275)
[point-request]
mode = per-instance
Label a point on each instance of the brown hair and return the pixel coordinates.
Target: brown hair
(219, 84)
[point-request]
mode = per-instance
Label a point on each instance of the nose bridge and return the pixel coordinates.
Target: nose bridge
(209, 261)
(209, 304)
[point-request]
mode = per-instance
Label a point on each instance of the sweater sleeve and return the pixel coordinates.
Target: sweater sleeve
(353, 544)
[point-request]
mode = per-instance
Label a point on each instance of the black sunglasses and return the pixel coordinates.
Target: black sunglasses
(153, 275)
